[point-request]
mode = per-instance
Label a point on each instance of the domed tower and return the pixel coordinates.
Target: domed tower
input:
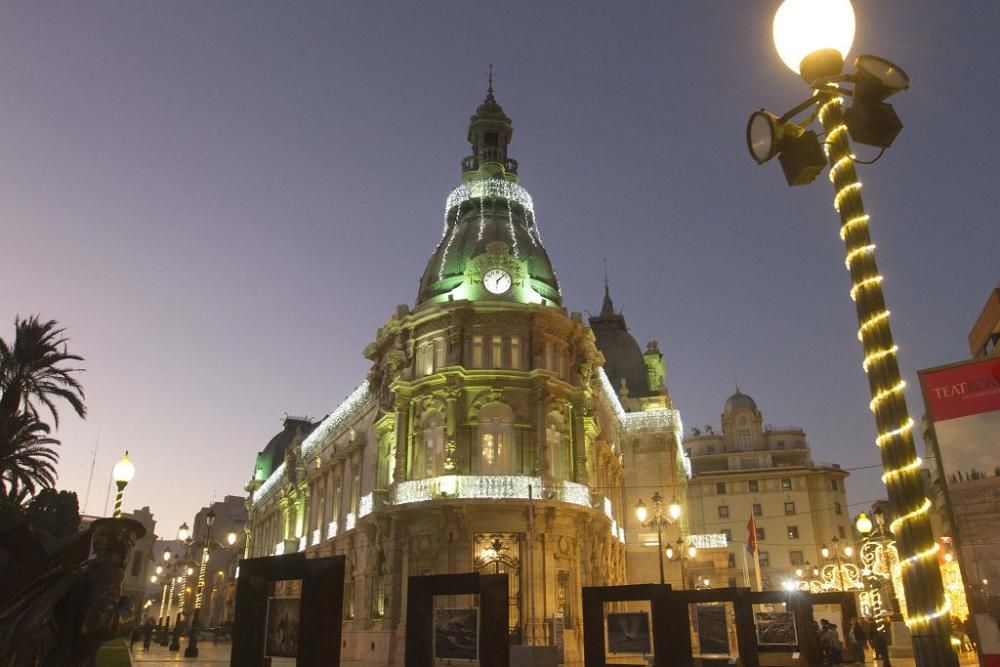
(742, 423)
(490, 248)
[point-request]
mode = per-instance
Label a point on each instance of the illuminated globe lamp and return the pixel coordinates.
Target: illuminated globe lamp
(813, 38)
(122, 474)
(863, 524)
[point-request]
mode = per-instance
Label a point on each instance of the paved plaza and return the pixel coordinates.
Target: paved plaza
(218, 654)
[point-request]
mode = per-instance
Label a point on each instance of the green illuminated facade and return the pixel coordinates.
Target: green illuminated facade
(495, 432)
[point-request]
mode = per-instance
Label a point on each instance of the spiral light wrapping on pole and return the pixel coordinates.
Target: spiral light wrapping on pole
(927, 615)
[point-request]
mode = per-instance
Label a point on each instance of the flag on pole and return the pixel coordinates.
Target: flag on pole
(752, 549)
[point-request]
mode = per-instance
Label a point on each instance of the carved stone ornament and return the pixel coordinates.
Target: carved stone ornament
(497, 256)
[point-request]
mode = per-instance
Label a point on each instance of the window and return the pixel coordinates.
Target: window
(749, 464)
(425, 359)
(515, 353)
(793, 532)
(781, 444)
(760, 535)
(723, 511)
(743, 439)
(732, 559)
(564, 595)
(837, 509)
(833, 484)
(337, 493)
(796, 558)
(786, 484)
(497, 355)
(789, 508)
(763, 558)
(557, 451)
(729, 535)
(758, 509)
(379, 598)
(720, 488)
(841, 532)
(710, 449)
(753, 486)
(477, 351)
(687, 452)
(496, 440)
(439, 353)
(356, 491)
(428, 459)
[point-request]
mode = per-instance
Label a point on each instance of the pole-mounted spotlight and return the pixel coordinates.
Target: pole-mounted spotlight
(876, 78)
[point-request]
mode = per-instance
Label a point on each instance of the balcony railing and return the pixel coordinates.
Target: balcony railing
(489, 487)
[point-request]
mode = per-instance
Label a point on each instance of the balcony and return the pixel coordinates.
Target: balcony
(488, 487)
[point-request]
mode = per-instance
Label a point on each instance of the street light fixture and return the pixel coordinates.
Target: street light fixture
(813, 37)
(122, 474)
(661, 519)
(682, 554)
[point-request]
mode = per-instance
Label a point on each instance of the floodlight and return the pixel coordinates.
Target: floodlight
(876, 78)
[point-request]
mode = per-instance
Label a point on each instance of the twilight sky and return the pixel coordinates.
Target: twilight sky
(222, 201)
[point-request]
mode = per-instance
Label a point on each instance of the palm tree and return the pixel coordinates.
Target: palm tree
(27, 461)
(32, 373)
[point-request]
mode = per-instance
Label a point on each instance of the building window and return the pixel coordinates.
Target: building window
(753, 486)
(793, 532)
(749, 464)
(732, 559)
(515, 353)
(781, 444)
(496, 435)
(744, 439)
(477, 352)
(428, 460)
(439, 354)
(758, 509)
(833, 484)
(789, 508)
(796, 558)
(760, 534)
(723, 511)
(841, 532)
(379, 601)
(720, 488)
(786, 484)
(564, 593)
(497, 349)
(763, 558)
(729, 535)
(837, 509)
(557, 451)
(338, 491)
(710, 449)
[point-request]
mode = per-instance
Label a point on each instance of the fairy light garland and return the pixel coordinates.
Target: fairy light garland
(887, 402)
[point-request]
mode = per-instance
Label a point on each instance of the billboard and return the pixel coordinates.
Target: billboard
(963, 404)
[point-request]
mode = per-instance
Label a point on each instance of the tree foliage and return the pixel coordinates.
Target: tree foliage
(55, 512)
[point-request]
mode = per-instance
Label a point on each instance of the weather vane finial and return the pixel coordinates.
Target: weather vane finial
(489, 88)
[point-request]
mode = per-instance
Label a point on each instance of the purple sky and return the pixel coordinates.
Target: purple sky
(222, 202)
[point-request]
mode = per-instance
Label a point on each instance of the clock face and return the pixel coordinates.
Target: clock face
(496, 281)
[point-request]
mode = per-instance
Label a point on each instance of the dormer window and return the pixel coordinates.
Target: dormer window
(491, 140)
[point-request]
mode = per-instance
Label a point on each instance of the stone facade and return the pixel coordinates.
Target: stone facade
(750, 468)
(485, 438)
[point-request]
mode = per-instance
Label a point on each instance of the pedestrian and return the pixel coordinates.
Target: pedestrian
(147, 634)
(858, 637)
(880, 642)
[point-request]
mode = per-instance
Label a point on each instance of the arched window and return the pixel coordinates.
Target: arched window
(379, 597)
(496, 440)
(428, 455)
(557, 451)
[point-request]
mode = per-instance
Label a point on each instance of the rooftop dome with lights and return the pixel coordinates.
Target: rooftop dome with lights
(490, 232)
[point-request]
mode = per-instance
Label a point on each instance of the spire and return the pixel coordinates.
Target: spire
(489, 87)
(607, 308)
(490, 132)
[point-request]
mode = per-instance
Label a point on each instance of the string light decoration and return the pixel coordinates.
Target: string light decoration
(918, 573)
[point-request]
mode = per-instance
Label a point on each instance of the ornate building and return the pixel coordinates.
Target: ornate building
(486, 437)
(753, 468)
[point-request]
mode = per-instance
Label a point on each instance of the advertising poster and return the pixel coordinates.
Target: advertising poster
(628, 632)
(776, 628)
(282, 627)
(456, 633)
(713, 630)
(963, 403)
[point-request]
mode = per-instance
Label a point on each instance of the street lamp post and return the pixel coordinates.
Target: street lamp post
(660, 519)
(122, 474)
(812, 38)
(192, 648)
(682, 554)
